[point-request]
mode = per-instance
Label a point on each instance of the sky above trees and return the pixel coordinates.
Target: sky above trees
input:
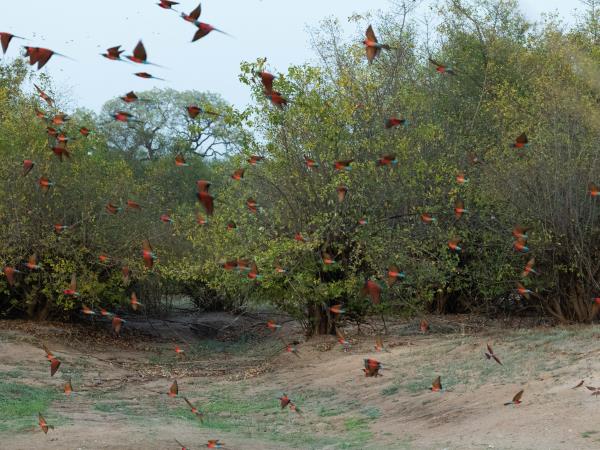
(82, 30)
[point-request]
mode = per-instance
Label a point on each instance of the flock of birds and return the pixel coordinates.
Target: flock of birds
(372, 287)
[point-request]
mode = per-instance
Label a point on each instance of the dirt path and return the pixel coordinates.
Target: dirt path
(121, 385)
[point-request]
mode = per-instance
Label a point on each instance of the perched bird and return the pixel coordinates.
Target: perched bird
(491, 355)
(442, 68)
(436, 386)
(372, 46)
(516, 399)
(85, 132)
(43, 424)
(174, 389)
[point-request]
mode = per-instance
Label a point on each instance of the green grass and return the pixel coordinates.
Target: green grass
(20, 404)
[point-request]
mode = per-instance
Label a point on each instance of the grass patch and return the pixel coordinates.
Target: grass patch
(20, 404)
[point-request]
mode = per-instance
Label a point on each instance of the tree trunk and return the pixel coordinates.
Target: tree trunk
(320, 321)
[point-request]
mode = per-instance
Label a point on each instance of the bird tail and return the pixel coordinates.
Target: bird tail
(509, 403)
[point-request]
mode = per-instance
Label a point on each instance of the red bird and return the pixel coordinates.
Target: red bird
(393, 275)
(139, 55)
(310, 163)
(114, 53)
(267, 80)
(214, 443)
(529, 268)
(71, 291)
(253, 273)
(148, 255)
(427, 218)
(424, 326)
(180, 161)
(372, 368)
(387, 160)
(204, 29)
(27, 166)
(84, 131)
(130, 97)
(252, 205)
(87, 310)
(298, 237)
(327, 259)
(126, 273)
(194, 410)
(148, 76)
(520, 245)
(206, 200)
(521, 141)
(133, 205)
(44, 96)
(520, 232)
(284, 401)
(135, 305)
(491, 355)
(201, 220)
(238, 174)
(254, 159)
(460, 178)
(167, 4)
(436, 386)
(68, 389)
(593, 190)
(174, 389)
(41, 56)
(43, 424)
(45, 184)
(9, 272)
(373, 290)
(277, 99)
(112, 209)
(453, 244)
(165, 218)
(442, 68)
(116, 324)
(341, 192)
(343, 165)
(394, 122)
(271, 325)
(372, 46)
(5, 39)
(459, 209)
(123, 116)
(516, 399)
(32, 263)
(194, 15)
(60, 150)
(523, 291)
(194, 110)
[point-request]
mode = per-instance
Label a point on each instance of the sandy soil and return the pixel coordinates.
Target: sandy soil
(121, 384)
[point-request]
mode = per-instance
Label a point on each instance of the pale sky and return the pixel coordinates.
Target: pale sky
(275, 29)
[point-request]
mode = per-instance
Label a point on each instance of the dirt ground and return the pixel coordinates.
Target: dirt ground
(234, 371)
